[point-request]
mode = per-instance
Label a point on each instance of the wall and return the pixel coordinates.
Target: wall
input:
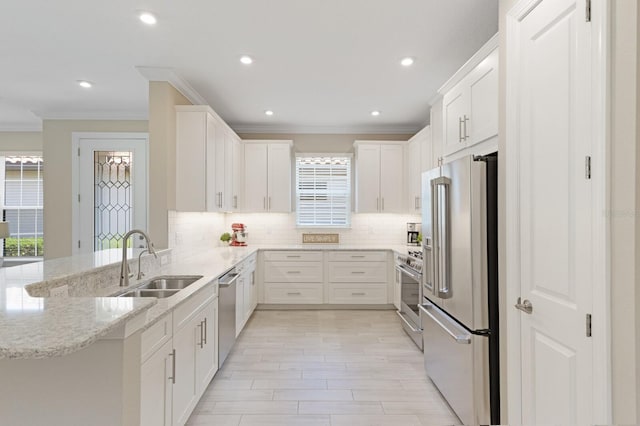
(20, 141)
(189, 233)
(624, 213)
(163, 98)
(58, 197)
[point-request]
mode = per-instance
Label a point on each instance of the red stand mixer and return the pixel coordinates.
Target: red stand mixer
(239, 234)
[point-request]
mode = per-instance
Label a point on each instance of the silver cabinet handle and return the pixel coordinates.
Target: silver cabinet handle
(269, 204)
(264, 203)
(297, 293)
(466, 134)
(358, 294)
(460, 137)
(293, 272)
(525, 306)
(205, 330)
(455, 331)
(377, 204)
(357, 272)
(173, 366)
(235, 201)
(201, 344)
(293, 256)
(382, 203)
(357, 256)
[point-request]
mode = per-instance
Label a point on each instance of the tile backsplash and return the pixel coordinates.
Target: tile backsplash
(192, 231)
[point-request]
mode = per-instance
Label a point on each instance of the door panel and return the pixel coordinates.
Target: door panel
(391, 181)
(255, 184)
(368, 178)
(555, 213)
(279, 179)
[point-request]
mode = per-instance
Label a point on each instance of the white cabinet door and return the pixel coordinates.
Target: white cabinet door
(455, 109)
(483, 100)
(391, 179)
(247, 299)
(279, 177)
(206, 351)
(240, 285)
(437, 135)
(156, 388)
(185, 342)
(227, 195)
(414, 167)
(397, 289)
(254, 290)
(368, 178)
(191, 160)
(255, 177)
(238, 174)
(210, 156)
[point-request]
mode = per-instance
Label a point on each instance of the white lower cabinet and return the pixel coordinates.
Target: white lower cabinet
(156, 388)
(335, 277)
(397, 288)
(246, 292)
(179, 359)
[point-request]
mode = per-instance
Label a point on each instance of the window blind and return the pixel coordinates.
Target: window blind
(323, 191)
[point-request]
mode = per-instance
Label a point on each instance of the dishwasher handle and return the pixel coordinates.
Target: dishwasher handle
(223, 282)
(455, 331)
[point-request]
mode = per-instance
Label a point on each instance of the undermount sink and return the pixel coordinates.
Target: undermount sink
(162, 287)
(160, 294)
(171, 283)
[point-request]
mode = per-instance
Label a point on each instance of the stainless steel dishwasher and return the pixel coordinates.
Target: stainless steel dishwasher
(226, 314)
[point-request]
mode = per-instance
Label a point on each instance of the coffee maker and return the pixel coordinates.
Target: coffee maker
(413, 230)
(239, 234)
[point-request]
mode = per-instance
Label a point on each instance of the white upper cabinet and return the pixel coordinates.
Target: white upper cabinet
(418, 160)
(379, 176)
(470, 101)
(204, 161)
(237, 200)
(267, 177)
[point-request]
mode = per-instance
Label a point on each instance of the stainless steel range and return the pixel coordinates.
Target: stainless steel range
(409, 270)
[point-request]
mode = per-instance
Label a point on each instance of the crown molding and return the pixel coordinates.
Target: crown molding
(291, 129)
(170, 76)
(473, 62)
(95, 115)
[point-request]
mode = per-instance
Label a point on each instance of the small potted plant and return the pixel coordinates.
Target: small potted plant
(225, 238)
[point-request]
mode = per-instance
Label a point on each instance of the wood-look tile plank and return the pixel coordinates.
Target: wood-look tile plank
(340, 407)
(214, 419)
(239, 395)
(255, 407)
(368, 420)
(285, 420)
(312, 395)
(369, 384)
(289, 384)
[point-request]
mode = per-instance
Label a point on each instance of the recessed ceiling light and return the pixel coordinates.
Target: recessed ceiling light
(85, 84)
(268, 112)
(247, 60)
(406, 62)
(375, 113)
(148, 18)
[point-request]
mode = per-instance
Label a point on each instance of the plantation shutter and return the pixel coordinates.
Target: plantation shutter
(323, 191)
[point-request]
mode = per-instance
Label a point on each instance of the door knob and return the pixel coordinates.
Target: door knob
(525, 306)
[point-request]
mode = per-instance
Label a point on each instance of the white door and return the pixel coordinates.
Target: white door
(455, 109)
(368, 178)
(279, 178)
(391, 179)
(552, 254)
(110, 174)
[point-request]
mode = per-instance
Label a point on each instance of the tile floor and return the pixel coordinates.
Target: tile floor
(323, 368)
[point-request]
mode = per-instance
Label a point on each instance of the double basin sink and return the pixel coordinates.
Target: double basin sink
(162, 287)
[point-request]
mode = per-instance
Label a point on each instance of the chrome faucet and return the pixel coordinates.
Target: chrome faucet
(124, 267)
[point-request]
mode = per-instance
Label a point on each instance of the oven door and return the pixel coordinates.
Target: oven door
(410, 299)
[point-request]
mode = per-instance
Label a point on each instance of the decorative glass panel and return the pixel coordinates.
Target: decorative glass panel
(112, 198)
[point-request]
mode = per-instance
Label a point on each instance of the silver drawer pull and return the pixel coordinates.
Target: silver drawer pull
(291, 255)
(357, 272)
(358, 294)
(297, 293)
(293, 272)
(354, 256)
(173, 366)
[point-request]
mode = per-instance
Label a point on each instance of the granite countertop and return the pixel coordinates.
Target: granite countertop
(34, 327)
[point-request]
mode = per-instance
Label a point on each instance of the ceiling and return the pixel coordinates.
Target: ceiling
(321, 66)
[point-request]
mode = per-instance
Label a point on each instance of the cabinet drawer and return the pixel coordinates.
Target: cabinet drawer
(358, 272)
(293, 272)
(292, 293)
(293, 256)
(155, 336)
(358, 294)
(357, 256)
(183, 313)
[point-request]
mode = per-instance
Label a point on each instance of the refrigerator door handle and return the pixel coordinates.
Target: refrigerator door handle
(454, 330)
(441, 223)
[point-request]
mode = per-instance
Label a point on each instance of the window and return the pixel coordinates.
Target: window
(323, 190)
(22, 204)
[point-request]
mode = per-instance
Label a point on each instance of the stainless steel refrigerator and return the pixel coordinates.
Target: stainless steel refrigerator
(459, 313)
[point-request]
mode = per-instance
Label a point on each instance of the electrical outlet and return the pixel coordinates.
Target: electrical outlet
(61, 291)
(164, 260)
